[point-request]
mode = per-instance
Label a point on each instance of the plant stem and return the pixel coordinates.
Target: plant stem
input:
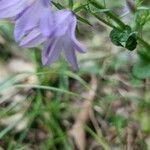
(144, 43)
(112, 15)
(103, 20)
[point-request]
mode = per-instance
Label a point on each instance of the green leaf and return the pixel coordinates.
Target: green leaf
(43, 87)
(6, 30)
(124, 38)
(83, 20)
(141, 69)
(131, 42)
(118, 121)
(114, 36)
(143, 53)
(98, 138)
(8, 128)
(70, 3)
(79, 8)
(57, 5)
(96, 4)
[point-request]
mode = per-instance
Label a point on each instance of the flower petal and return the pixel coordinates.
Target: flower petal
(33, 39)
(11, 8)
(76, 44)
(46, 23)
(62, 21)
(70, 55)
(29, 19)
(51, 52)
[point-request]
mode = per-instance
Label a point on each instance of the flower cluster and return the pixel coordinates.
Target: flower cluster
(36, 23)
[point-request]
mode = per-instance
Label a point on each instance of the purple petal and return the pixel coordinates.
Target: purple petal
(46, 23)
(33, 39)
(46, 3)
(51, 52)
(30, 19)
(62, 20)
(70, 55)
(11, 8)
(76, 44)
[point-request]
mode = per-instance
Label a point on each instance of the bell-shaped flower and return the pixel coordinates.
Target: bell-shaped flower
(27, 15)
(62, 38)
(37, 14)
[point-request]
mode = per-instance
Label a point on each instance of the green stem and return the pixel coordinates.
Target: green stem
(144, 43)
(103, 20)
(112, 15)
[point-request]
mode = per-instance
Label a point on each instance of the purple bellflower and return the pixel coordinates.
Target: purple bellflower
(27, 15)
(61, 38)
